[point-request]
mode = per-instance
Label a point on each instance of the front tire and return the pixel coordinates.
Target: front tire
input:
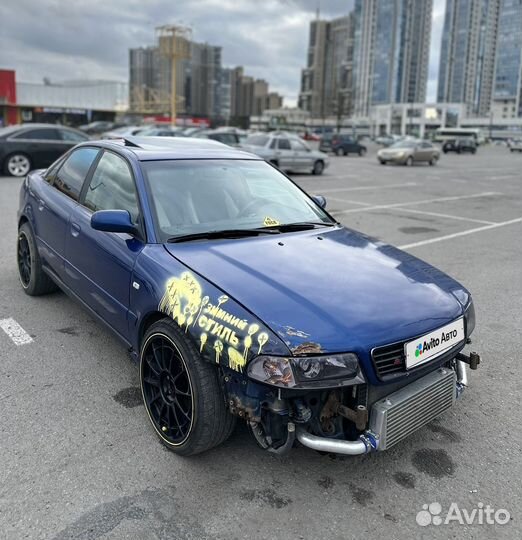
(339, 152)
(318, 168)
(409, 162)
(181, 392)
(17, 165)
(33, 279)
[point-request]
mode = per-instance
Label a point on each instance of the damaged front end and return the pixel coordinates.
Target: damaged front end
(325, 402)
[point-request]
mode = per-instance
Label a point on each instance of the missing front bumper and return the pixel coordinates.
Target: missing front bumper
(396, 416)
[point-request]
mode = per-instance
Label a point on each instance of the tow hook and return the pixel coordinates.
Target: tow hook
(473, 360)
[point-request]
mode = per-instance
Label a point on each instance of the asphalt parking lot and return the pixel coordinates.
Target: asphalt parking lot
(79, 459)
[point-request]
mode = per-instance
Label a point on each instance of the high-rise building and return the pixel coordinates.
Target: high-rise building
(203, 80)
(249, 97)
(378, 53)
(203, 87)
(467, 58)
(507, 91)
(145, 68)
(326, 80)
(198, 79)
(390, 52)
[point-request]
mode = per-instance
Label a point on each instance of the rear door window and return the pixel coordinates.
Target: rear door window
(70, 177)
(41, 134)
(284, 144)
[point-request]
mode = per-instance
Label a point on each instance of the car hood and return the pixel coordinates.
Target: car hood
(328, 290)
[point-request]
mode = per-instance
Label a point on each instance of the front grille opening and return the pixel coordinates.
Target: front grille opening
(389, 359)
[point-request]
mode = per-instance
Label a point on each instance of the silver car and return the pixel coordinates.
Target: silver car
(408, 152)
(287, 152)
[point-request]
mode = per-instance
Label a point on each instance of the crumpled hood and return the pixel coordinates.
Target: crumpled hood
(332, 288)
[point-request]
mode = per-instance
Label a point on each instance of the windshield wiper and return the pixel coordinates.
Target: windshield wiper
(243, 233)
(226, 233)
(301, 226)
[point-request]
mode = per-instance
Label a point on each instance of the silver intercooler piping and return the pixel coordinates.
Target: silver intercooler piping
(366, 443)
(462, 373)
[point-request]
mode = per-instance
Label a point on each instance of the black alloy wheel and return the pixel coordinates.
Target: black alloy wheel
(33, 279)
(24, 260)
(167, 389)
(182, 392)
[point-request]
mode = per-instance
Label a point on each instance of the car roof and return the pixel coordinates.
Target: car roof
(164, 148)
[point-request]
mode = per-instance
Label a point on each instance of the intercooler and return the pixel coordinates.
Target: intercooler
(400, 414)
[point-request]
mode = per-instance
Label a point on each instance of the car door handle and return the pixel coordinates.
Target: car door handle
(75, 229)
(41, 205)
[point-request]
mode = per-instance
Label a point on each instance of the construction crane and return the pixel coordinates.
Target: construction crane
(174, 44)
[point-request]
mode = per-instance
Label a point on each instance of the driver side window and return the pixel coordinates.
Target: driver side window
(112, 187)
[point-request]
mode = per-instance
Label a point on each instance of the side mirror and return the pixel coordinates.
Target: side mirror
(320, 200)
(116, 221)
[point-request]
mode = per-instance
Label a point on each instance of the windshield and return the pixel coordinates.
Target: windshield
(256, 140)
(403, 144)
(195, 196)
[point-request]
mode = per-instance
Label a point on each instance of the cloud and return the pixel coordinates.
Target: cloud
(64, 40)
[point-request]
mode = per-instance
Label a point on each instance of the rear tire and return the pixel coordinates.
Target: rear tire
(33, 279)
(339, 152)
(382, 162)
(318, 168)
(17, 165)
(181, 392)
(362, 151)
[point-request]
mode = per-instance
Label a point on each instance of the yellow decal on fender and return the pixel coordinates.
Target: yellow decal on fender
(183, 301)
(270, 222)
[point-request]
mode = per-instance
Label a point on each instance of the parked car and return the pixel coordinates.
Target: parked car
(342, 145)
(98, 127)
(325, 142)
(241, 297)
(286, 151)
(30, 146)
(225, 137)
(386, 140)
(192, 131)
(515, 145)
(408, 152)
(461, 145)
(165, 131)
(124, 131)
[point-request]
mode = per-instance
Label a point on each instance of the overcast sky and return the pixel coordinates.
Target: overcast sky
(64, 39)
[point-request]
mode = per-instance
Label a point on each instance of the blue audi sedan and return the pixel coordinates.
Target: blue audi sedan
(241, 297)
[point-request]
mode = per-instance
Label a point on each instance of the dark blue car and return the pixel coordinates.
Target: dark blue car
(240, 296)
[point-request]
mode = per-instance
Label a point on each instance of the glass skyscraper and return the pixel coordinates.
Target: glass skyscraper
(508, 74)
(391, 52)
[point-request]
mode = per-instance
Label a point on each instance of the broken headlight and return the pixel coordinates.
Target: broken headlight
(325, 371)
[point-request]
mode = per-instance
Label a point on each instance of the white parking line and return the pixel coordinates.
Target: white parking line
(364, 188)
(449, 216)
(17, 334)
(463, 233)
(414, 203)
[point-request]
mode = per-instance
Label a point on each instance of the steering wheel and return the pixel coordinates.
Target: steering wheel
(257, 202)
